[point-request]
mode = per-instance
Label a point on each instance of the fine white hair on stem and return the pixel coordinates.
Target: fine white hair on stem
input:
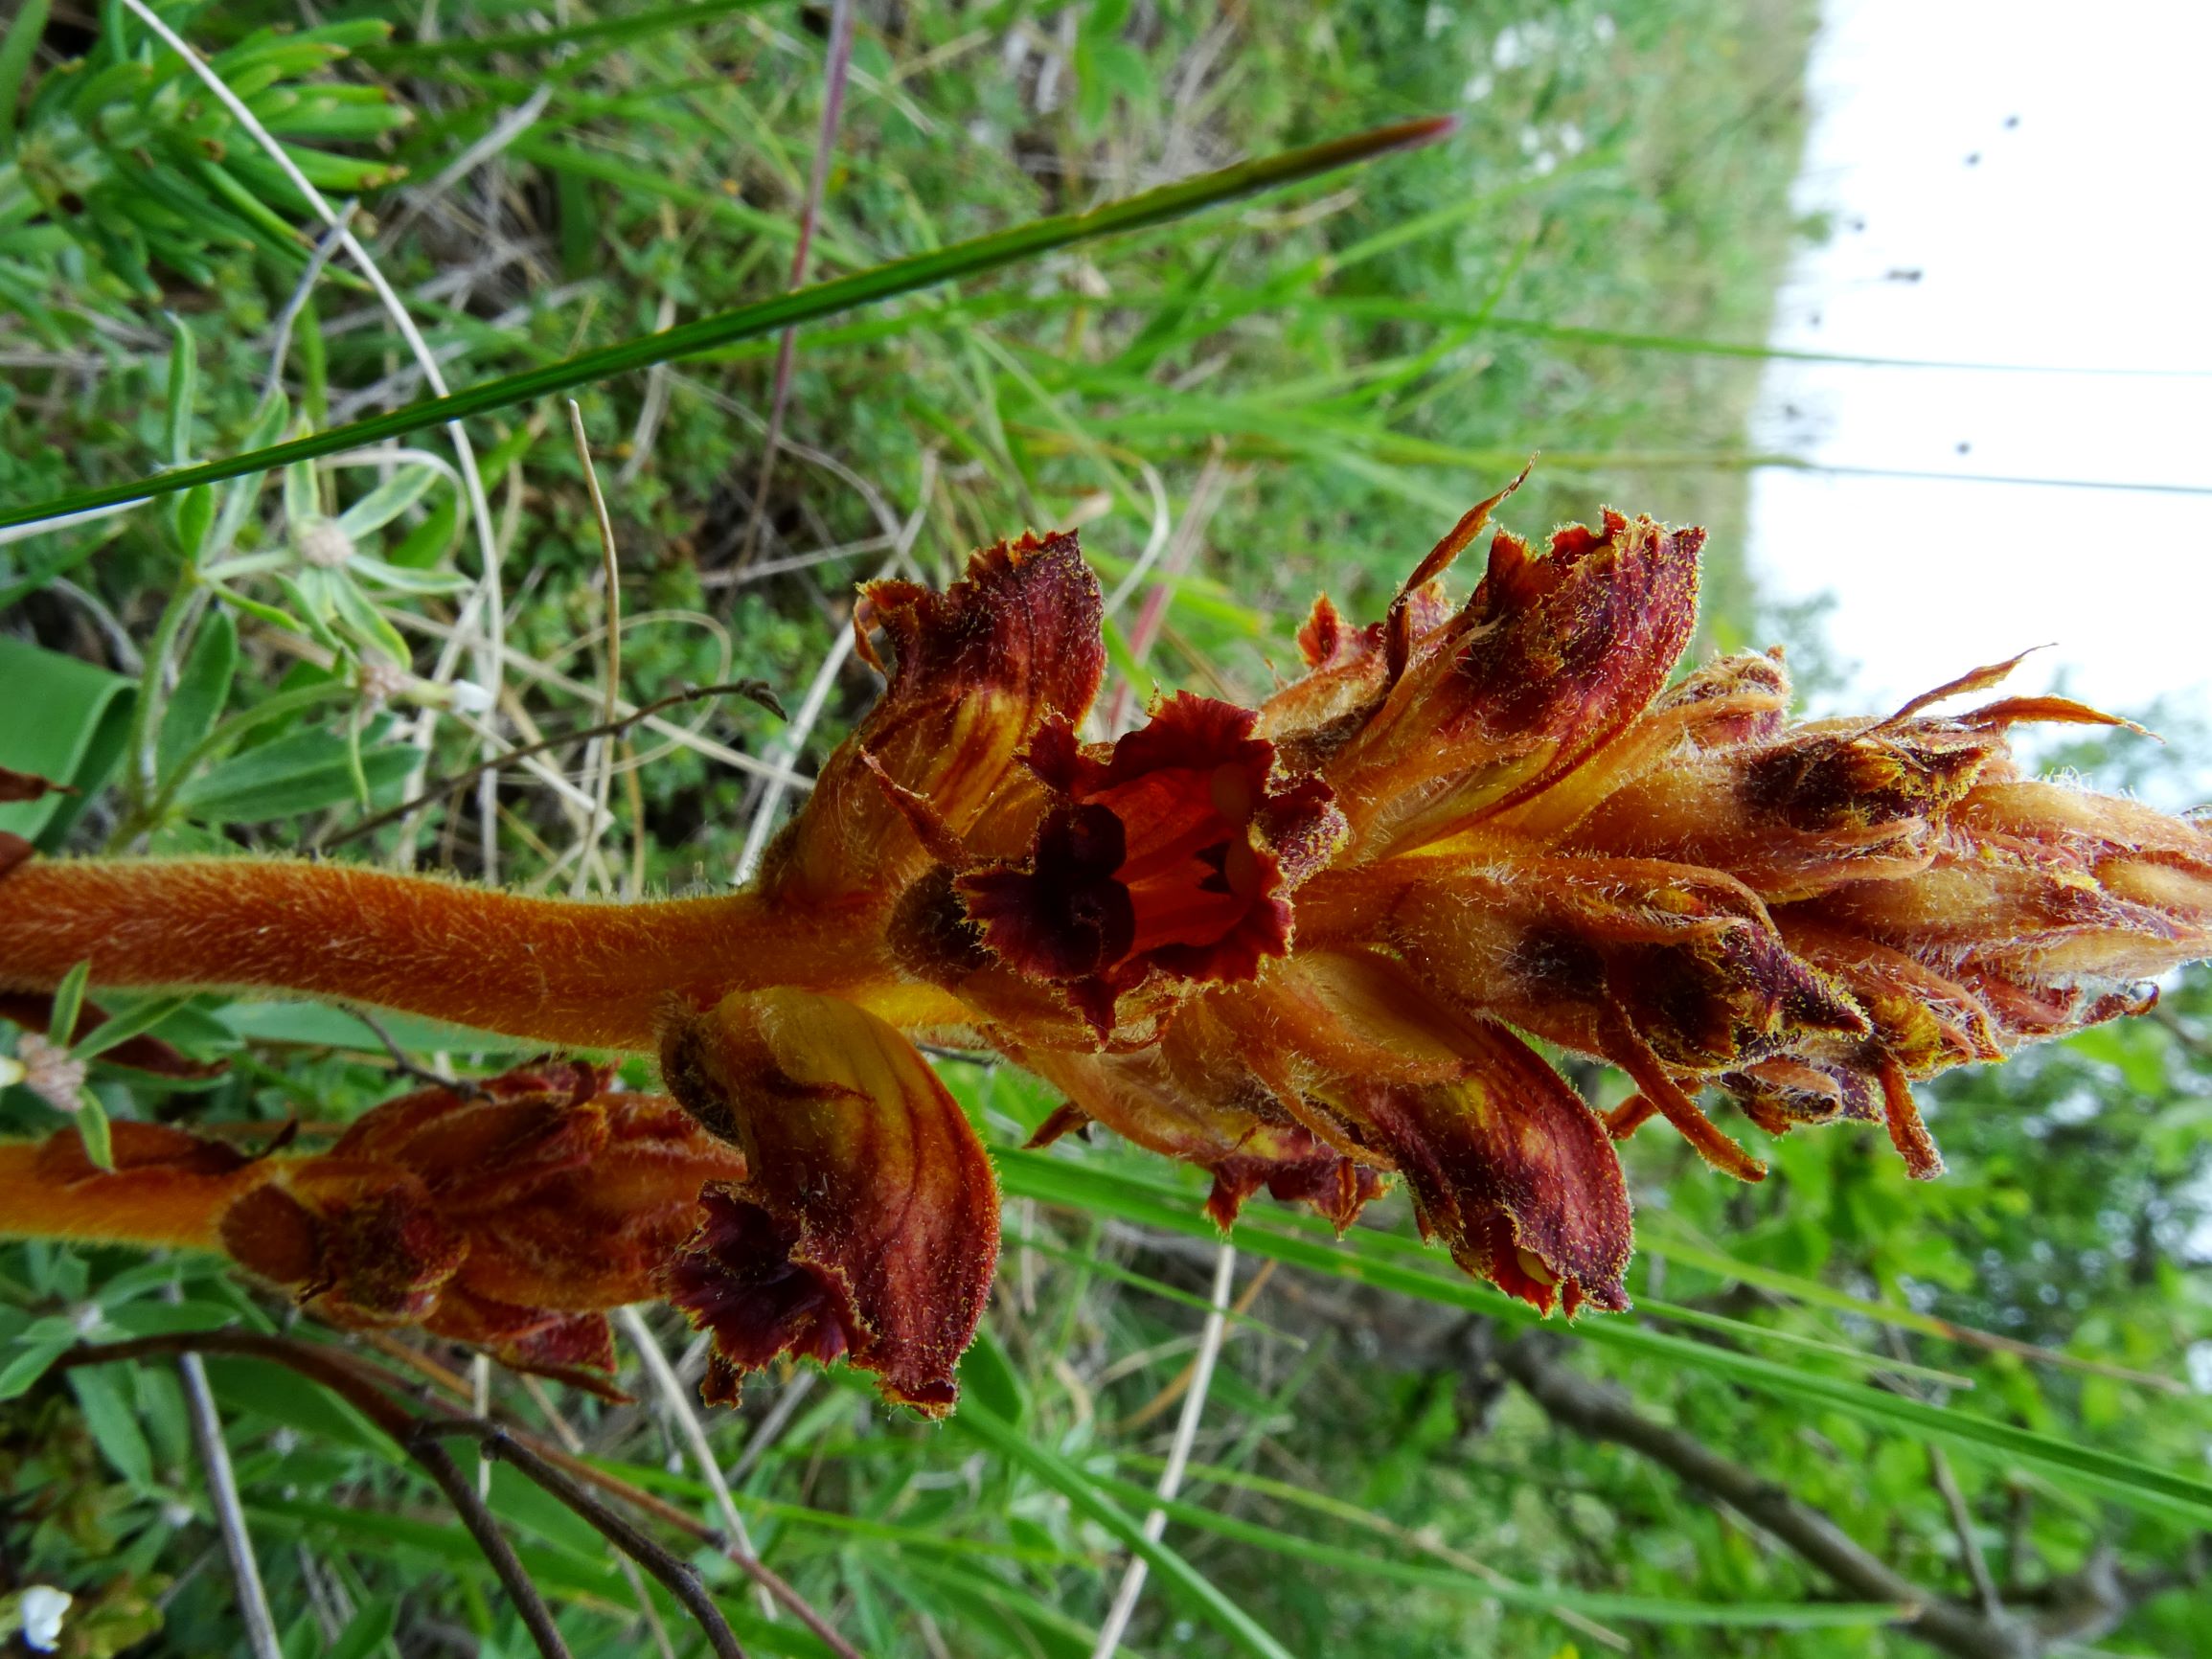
(669, 1387)
(826, 676)
(485, 597)
(1124, 1602)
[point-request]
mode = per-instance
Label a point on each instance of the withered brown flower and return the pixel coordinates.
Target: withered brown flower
(509, 1218)
(1303, 947)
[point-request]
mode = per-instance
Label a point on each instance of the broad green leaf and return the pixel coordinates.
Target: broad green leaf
(303, 772)
(387, 501)
(1535, 1598)
(67, 720)
(17, 48)
(987, 1375)
(407, 580)
(282, 1397)
(369, 1630)
(119, 1028)
(202, 688)
(93, 1129)
(68, 1003)
(28, 1363)
(114, 1426)
(313, 1025)
(362, 619)
(183, 388)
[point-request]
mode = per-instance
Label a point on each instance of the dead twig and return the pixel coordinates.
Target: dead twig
(754, 690)
(680, 1580)
(368, 1387)
(207, 1433)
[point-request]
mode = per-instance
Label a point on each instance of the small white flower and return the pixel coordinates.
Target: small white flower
(323, 544)
(1478, 88)
(87, 1319)
(1435, 20)
(1602, 30)
(1571, 140)
(284, 1441)
(41, 1607)
(51, 1071)
(1544, 163)
(176, 1513)
(1531, 141)
(470, 698)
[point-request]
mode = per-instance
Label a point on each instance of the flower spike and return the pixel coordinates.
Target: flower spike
(1302, 946)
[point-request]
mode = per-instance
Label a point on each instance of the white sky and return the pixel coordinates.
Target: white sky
(2082, 236)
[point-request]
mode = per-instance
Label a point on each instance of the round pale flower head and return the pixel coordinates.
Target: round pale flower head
(382, 680)
(50, 1071)
(323, 544)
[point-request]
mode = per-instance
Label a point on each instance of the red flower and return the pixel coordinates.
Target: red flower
(1176, 851)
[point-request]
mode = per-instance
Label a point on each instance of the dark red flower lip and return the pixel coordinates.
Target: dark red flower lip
(1175, 852)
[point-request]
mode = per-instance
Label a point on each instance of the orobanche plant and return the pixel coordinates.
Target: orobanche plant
(1302, 945)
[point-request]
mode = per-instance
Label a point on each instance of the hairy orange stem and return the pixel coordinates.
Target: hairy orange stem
(150, 1208)
(558, 971)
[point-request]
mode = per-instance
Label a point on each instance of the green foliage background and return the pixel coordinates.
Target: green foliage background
(1296, 392)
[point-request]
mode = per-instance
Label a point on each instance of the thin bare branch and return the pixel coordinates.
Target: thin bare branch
(362, 1384)
(537, 1617)
(222, 1488)
(1133, 1586)
(678, 1403)
(572, 1444)
(754, 690)
(602, 757)
(2075, 1608)
(681, 1581)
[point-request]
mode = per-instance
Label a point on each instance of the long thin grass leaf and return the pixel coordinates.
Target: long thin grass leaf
(1535, 1598)
(1084, 1492)
(825, 299)
(1360, 1257)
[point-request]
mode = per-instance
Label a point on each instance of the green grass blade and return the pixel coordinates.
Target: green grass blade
(1374, 1258)
(17, 48)
(617, 28)
(120, 1029)
(1083, 1493)
(68, 1003)
(805, 304)
(1534, 1598)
